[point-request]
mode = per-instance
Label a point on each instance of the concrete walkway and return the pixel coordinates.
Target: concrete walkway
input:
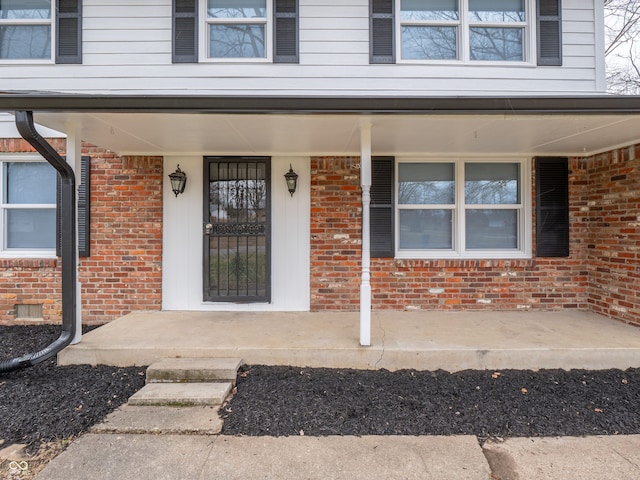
(566, 458)
(421, 340)
(198, 457)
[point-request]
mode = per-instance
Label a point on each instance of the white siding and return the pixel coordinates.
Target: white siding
(333, 33)
(127, 49)
(119, 32)
(8, 128)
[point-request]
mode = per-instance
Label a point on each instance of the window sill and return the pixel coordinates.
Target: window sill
(467, 63)
(469, 263)
(27, 61)
(474, 257)
(235, 61)
(23, 262)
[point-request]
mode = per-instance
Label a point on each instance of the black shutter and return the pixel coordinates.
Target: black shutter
(69, 31)
(552, 207)
(381, 210)
(381, 28)
(84, 216)
(549, 32)
(84, 210)
(285, 32)
(185, 31)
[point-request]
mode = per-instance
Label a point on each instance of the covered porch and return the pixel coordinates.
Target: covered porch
(422, 340)
(181, 130)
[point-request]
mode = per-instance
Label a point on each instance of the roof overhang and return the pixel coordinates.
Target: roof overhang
(185, 124)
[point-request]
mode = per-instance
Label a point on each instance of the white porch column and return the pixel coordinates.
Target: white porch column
(74, 158)
(365, 182)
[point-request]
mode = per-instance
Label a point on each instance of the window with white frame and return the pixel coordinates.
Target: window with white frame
(238, 29)
(463, 209)
(28, 206)
(25, 29)
(464, 30)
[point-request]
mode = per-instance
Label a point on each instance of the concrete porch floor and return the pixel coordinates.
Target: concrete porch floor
(424, 340)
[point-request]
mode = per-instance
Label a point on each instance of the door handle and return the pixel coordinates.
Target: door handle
(207, 229)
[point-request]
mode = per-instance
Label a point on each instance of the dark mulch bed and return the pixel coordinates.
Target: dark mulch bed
(283, 401)
(45, 403)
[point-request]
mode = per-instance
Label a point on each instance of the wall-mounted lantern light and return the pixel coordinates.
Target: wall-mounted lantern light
(292, 180)
(178, 181)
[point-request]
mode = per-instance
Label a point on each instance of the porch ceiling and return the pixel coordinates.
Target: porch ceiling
(192, 124)
(338, 134)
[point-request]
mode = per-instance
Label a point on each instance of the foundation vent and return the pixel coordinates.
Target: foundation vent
(29, 312)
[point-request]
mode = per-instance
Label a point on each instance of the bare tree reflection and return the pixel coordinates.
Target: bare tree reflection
(24, 40)
(430, 30)
(236, 39)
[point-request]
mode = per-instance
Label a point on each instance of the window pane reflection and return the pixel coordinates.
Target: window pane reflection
(492, 183)
(25, 41)
(237, 41)
(429, 43)
(30, 183)
(429, 10)
(237, 8)
(491, 229)
(497, 10)
(501, 44)
(426, 183)
(426, 229)
(32, 228)
(25, 9)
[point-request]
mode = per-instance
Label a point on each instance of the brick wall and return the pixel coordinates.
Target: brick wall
(123, 272)
(539, 283)
(336, 210)
(614, 241)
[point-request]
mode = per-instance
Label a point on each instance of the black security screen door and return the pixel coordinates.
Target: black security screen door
(237, 229)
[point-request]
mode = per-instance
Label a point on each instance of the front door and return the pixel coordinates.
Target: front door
(237, 232)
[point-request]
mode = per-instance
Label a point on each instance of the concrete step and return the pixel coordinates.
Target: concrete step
(200, 420)
(193, 370)
(181, 394)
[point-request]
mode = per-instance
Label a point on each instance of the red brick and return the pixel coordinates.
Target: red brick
(37, 281)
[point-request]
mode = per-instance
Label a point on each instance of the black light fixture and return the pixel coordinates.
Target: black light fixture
(178, 181)
(292, 180)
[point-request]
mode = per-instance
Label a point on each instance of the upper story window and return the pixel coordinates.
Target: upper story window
(237, 29)
(25, 29)
(493, 30)
(466, 31)
(27, 206)
(29, 32)
(241, 30)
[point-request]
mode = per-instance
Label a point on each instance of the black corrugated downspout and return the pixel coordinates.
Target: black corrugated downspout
(24, 122)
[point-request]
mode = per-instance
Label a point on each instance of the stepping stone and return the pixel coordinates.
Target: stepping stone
(203, 420)
(194, 370)
(181, 394)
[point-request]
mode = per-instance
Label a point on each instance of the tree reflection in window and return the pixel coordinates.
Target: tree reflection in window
(237, 29)
(493, 29)
(25, 29)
